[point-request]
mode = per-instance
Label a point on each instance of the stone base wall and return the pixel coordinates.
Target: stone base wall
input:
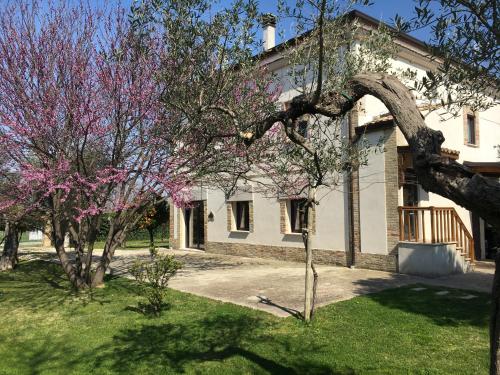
(292, 254)
(297, 254)
(379, 262)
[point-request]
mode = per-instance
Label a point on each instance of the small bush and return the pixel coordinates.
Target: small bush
(153, 251)
(153, 278)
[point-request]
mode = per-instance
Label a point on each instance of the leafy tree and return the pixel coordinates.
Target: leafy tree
(156, 216)
(83, 127)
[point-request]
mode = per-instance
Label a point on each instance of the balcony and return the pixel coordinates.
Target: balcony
(435, 225)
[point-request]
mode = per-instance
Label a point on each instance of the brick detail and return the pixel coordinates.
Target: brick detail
(179, 228)
(283, 217)
(250, 216)
(391, 192)
(380, 262)
(229, 216)
(205, 222)
(466, 113)
(354, 199)
(173, 242)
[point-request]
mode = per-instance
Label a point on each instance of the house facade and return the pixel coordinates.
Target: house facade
(378, 217)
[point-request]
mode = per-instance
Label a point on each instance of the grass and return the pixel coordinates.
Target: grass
(129, 245)
(136, 244)
(48, 330)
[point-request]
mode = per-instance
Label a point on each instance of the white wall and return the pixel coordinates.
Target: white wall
(330, 222)
(373, 222)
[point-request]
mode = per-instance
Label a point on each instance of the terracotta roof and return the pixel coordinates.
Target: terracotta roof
(449, 151)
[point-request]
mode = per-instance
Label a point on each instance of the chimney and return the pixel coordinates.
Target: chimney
(269, 35)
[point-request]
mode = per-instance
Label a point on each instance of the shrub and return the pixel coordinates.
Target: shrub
(153, 278)
(153, 251)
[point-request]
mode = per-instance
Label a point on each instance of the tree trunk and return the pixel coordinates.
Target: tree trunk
(90, 250)
(112, 242)
(9, 259)
(314, 289)
(151, 238)
(311, 276)
(59, 234)
(308, 278)
(495, 321)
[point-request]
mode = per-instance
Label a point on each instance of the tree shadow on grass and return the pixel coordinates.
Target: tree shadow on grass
(42, 285)
(48, 355)
(295, 313)
(148, 310)
(448, 309)
(176, 347)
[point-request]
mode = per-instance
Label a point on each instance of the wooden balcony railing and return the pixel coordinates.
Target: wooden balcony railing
(435, 225)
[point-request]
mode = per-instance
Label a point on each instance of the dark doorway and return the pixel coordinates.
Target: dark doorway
(195, 226)
(491, 239)
(476, 234)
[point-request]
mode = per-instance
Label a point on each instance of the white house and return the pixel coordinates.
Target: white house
(381, 218)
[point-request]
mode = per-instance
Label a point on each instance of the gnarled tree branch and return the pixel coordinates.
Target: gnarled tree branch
(449, 179)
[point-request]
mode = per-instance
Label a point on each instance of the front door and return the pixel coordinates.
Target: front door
(195, 226)
(491, 239)
(410, 199)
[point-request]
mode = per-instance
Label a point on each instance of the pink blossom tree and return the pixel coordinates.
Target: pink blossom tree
(89, 123)
(82, 127)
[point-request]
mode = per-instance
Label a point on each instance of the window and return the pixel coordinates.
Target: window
(302, 128)
(410, 188)
(242, 216)
(471, 130)
(297, 217)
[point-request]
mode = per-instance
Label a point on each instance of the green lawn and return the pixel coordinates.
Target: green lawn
(47, 330)
(135, 244)
(129, 245)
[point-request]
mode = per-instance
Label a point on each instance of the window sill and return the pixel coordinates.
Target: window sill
(293, 234)
(472, 145)
(239, 231)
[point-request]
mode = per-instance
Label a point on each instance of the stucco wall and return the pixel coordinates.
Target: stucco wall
(430, 259)
(330, 222)
(373, 199)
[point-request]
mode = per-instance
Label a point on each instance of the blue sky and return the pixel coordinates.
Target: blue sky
(383, 10)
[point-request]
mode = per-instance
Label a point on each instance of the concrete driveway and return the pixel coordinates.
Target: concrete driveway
(277, 287)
